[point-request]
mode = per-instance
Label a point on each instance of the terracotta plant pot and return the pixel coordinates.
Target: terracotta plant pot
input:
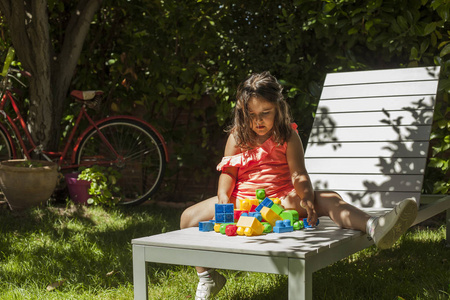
(25, 187)
(78, 189)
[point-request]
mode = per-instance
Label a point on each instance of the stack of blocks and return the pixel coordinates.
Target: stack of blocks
(256, 216)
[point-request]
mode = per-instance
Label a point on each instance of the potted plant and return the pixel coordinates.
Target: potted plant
(78, 189)
(27, 183)
(102, 189)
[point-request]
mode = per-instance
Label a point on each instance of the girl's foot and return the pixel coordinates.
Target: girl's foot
(387, 229)
(210, 283)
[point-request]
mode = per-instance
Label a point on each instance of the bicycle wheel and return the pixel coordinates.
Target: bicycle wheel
(5, 146)
(142, 160)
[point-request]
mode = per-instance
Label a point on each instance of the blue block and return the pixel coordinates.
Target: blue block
(224, 213)
(283, 226)
(256, 215)
(266, 202)
(306, 225)
(229, 218)
(206, 226)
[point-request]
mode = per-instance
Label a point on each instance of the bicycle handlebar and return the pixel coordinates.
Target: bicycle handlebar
(8, 61)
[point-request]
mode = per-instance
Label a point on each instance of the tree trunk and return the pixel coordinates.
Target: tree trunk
(51, 72)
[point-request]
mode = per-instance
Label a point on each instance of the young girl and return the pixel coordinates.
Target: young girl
(264, 151)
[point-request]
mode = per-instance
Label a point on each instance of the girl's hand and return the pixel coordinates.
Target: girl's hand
(312, 214)
(223, 199)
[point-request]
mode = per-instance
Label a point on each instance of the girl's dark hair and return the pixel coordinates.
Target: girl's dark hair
(262, 85)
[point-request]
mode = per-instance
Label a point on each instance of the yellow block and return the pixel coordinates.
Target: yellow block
(246, 204)
(270, 216)
(217, 227)
(249, 226)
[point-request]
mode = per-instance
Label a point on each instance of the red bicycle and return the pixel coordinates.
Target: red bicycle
(130, 145)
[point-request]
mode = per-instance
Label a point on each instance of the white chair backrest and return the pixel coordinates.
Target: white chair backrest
(370, 136)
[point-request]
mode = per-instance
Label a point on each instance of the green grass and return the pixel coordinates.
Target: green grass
(88, 250)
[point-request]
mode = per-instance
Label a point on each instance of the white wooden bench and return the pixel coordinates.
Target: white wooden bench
(369, 143)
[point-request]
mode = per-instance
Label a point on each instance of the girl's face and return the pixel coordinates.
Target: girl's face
(262, 114)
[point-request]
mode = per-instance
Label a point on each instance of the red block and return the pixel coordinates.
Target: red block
(230, 230)
(238, 213)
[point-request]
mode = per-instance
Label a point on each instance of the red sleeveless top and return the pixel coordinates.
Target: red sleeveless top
(263, 167)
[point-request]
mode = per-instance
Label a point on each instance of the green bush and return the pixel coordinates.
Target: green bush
(177, 63)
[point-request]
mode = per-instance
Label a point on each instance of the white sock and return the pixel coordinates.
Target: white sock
(370, 226)
(205, 275)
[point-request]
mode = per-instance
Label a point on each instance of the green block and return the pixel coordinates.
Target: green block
(291, 215)
(278, 209)
(298, 225)
(267, 227)
(260, 194)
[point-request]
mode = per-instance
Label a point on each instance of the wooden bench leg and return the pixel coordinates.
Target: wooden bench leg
(300, 280)
(139, 273)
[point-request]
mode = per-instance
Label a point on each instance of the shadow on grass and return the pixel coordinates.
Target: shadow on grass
(416, 268)
(90, 247)
(84, 245)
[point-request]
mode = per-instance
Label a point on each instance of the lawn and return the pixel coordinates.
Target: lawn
(74, 252)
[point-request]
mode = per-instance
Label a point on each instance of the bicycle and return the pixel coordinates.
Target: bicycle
(128, 144)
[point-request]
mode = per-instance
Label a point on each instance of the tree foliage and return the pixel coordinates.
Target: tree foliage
(176, 63)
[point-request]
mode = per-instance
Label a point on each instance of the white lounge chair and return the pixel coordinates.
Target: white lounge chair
(369, 143)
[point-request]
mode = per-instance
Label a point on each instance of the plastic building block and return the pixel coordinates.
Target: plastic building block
(238, 213)
(253, 208)
(306, 225)
(249, 226)
(298, 225)
(217, 227)
(223, 227)
(206, 226)
(260, 194)
(246, 204)
(267, 227)
(291, 215)
(224, 213)
(230, 230)
(266, 202)
(276, 201)
(283, 226)
(256, 215)
(278, 209)
(269, 215)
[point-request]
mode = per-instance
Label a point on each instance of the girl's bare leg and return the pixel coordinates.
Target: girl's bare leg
(202, 211)
(329, 203)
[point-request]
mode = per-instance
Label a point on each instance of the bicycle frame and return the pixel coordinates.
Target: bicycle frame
(59, 157)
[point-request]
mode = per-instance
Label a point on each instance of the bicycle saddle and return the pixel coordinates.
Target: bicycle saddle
(85, 95)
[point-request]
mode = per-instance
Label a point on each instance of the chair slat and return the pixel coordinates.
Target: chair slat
(391, 75)
(367, 134)
(375, 118)
(367, 149)
(367, 182)
(380, 89)
(376, 165)
(377, 104)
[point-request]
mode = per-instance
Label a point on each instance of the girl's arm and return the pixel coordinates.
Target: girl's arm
(300, 179)
(227, 179)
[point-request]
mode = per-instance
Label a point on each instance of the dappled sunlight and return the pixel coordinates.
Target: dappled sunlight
(370, 136)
